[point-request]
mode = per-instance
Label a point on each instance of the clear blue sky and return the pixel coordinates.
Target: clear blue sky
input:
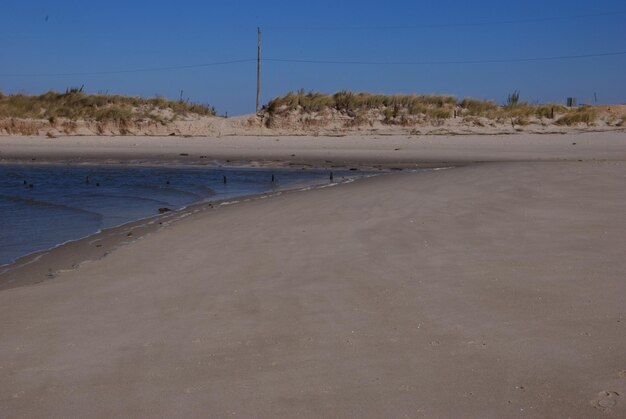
(70, 36)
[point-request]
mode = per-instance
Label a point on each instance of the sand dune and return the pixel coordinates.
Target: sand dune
(343, 113)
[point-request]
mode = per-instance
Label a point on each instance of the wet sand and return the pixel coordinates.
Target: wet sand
(488, 290)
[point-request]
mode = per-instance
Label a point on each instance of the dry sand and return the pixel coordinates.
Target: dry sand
(490, 290)
(406, 150)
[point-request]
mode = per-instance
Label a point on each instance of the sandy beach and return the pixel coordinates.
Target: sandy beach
(493, 288)
(341, 151)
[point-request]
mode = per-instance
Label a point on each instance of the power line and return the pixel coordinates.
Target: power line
(449, 25)
(332, 62)
(138, 70)
(485, 61)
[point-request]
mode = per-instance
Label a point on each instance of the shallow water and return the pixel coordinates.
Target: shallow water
(42, 206)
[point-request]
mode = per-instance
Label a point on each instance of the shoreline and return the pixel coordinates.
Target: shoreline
(46, 264)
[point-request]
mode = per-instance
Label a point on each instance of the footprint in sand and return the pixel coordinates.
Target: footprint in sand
(606, 400)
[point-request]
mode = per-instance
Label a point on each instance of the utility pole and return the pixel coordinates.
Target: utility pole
(258, 70)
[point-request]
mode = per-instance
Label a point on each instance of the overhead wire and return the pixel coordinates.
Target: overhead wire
(138, 70)
(480, 61)
(356, 62)
(332, 62)
(446, 25)
(322, 62)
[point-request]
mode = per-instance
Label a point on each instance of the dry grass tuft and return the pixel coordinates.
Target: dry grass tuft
(75, 105)
(345, 101)
(394, 109)
(412, 109)
(583, 115)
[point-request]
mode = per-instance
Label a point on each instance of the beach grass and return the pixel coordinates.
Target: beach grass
(350, 101)
(583, 115)
(75, 105)
(397, 109)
